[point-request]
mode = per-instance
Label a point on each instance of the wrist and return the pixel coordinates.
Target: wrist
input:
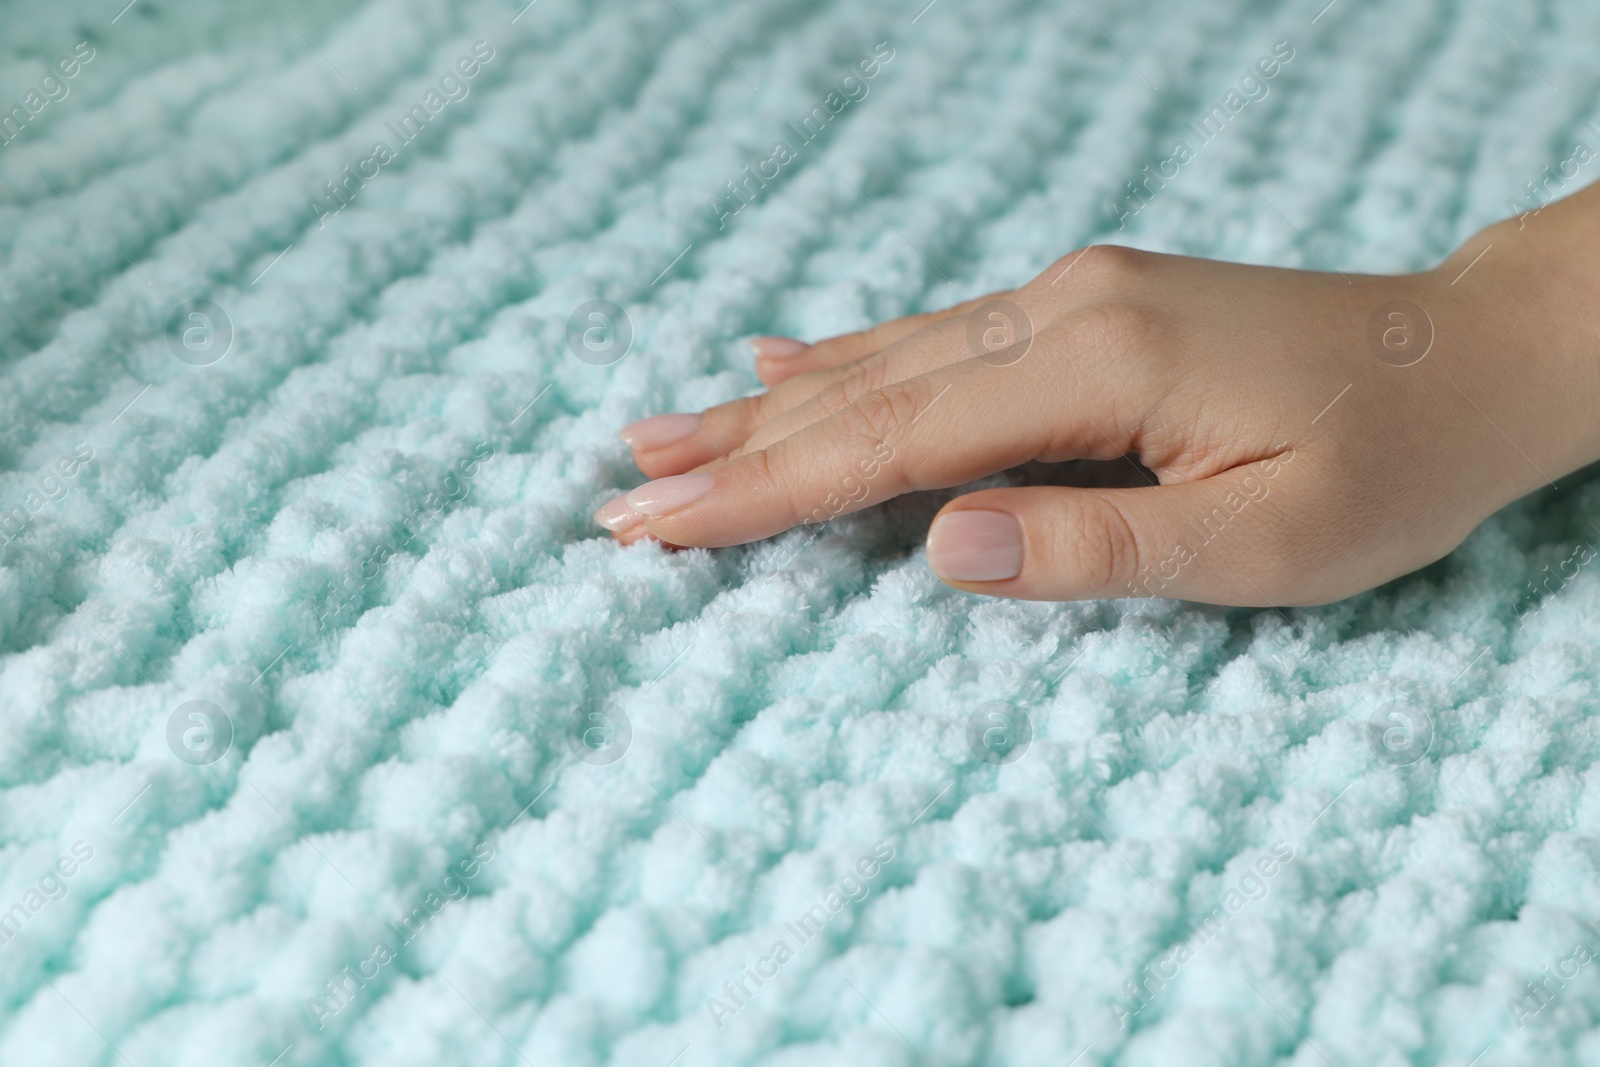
(1522, 318)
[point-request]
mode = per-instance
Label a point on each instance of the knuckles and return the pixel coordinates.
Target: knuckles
(1128, 341)
(887, 412)
(1098, 307)
(1100, 545)
(1117, 328)
(1096, 269)
(846, 392)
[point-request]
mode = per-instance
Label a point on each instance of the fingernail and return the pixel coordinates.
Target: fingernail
(658, 431)
(777, 347)
(616, 515)
(670, 494)
(975, 546)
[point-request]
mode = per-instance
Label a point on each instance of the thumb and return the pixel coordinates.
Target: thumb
(1217, 540)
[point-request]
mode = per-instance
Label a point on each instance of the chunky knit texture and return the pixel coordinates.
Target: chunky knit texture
(334, 731)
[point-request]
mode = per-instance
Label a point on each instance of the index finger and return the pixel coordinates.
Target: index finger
(902, 437)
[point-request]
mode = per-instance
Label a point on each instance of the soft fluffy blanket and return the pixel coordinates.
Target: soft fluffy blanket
(335, 733)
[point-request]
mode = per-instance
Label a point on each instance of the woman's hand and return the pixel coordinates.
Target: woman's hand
(1313, 434)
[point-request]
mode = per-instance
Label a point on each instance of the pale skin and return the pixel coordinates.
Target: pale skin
(1297, 462)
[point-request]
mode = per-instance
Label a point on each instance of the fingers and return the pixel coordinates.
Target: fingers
(939, 345)
(671, 444)
(1219, 540)
(627, 525)
(954, 425)
(780, 358)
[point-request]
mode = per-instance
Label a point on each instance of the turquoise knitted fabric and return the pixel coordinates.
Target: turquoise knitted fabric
(335, 732)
